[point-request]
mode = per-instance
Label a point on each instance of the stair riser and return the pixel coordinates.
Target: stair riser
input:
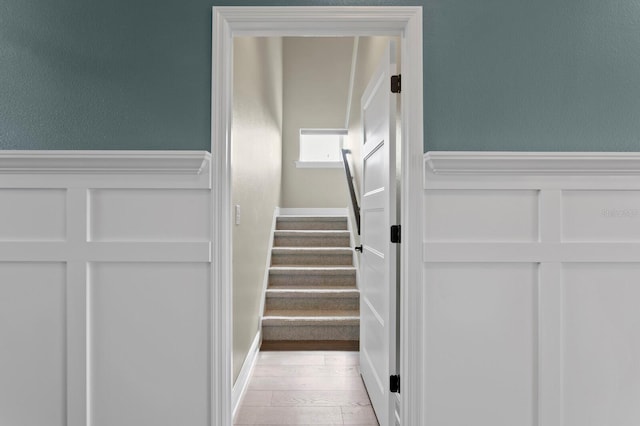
(311, 332)
(302, 259)
(311, 241)
(298, 225)
(316, 303)
(312, 281)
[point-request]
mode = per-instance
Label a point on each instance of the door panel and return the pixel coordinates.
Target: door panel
(378, 260)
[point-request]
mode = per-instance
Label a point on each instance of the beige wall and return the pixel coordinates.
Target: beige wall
(256, 177)
(316, 75)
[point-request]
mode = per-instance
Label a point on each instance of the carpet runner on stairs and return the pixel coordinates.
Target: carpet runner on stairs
(312, 301)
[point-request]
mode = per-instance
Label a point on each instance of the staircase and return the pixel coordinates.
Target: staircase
(311, 300)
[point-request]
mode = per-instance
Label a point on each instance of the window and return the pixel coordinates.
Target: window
(320, 148)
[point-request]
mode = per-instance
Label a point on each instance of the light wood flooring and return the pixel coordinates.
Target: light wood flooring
(306, 388)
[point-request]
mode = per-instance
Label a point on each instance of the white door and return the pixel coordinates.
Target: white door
(378, 260)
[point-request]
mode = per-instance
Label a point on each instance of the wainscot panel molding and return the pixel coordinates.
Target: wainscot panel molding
(531, 286)
(105, 288)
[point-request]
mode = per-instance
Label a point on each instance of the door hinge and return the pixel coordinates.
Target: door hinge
(396, 234)
(394, 384)
(396, 83)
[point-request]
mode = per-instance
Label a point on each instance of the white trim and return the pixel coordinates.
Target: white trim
(352, 80)
(313, 211)
(115, 251)
(318, 164)
(104, 162)
(532, 252)
(242, 382)
(337, 21)
(533, 163)
(403, 21)
(222, 249)
(412, 340)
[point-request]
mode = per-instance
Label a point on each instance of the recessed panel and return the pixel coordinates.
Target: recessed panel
(150, 215)
(373, 347)
(373, 221)
(481, 344)
(376, 111)
(34, 215)
(375, 169)
(148, 344)
(601, 216)
(601, 344)
(32, 344)
(481, 215)
(372, 286)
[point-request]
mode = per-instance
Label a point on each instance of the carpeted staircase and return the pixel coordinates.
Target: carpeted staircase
(311, 301)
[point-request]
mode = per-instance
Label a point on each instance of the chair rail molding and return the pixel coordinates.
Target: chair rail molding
(98, 162)
(532, 163)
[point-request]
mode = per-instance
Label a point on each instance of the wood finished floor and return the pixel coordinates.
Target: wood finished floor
(306, 388)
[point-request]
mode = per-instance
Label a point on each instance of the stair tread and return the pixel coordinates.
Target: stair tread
(311, 238)
(313, 292)
(313, 268)
(312, 277)
(313, 286)
(345, 250)
(285, 320)
(295, 222)
(311, 314)
(310, 345)
(294, 248)
(310, 218)
(311, 231)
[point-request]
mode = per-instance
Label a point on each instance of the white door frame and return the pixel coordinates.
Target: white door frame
(405, 22)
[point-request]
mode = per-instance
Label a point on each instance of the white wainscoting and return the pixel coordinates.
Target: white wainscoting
(105, 298)
(531, 289)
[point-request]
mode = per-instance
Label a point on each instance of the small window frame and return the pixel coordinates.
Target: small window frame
(319, 163)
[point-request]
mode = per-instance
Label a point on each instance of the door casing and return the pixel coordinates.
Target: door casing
(317, 21)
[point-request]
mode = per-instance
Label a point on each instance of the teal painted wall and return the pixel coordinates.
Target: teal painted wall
(112, 74)
(498, 74)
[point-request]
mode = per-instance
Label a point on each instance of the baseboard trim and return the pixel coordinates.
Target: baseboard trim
(242, 383)
(319, 211)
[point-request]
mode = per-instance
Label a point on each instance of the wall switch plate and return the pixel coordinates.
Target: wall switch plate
(237, 207)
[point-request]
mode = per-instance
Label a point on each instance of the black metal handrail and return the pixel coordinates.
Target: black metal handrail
(352, 190)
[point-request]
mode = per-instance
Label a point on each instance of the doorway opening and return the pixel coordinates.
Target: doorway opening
(301, 97)
(230, 22)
